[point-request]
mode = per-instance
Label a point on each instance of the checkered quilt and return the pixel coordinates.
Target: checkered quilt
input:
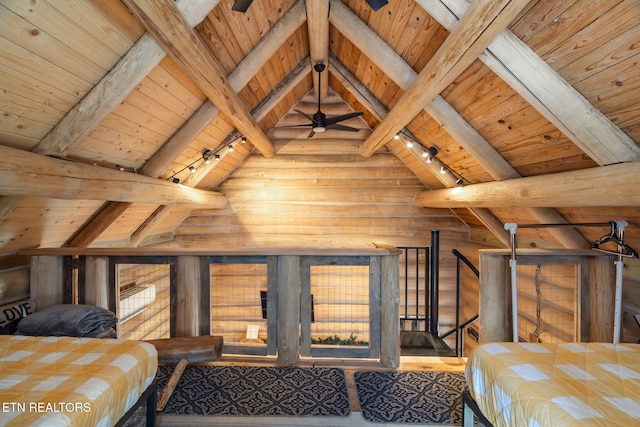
(64, 381)
(573, 384)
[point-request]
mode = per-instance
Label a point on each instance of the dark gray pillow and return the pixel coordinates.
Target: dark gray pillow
(74, 320)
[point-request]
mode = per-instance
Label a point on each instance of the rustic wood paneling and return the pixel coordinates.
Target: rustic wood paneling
(325, 197)
(52, 53)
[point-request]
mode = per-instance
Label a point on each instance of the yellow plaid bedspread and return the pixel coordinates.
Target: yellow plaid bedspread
(64, 381)
(573, 384)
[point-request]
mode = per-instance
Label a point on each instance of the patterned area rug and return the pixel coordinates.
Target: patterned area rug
(257, 391)
(411, 397)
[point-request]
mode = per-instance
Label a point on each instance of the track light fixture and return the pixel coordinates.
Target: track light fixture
(430, 155)
(207, 155)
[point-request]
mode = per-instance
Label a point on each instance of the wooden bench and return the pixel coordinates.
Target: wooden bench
(207, 348)
(183, 350)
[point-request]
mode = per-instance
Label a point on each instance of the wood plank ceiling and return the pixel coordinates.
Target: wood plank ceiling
(115, 99)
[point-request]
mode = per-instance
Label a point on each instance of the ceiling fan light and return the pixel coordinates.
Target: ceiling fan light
(319, 129)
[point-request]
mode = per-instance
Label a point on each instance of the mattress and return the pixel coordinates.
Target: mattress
(573, 384)
(65, 381)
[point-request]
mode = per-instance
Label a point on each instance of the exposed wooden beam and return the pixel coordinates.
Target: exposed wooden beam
(369, 101)
(264, 50)
(110, 91)
(114, 87)
(482, 22)
(359, 91)
(165, 22)
(493, 224)
(613, 185)
(318, 25)
(288, 83)
(145, 229)
(403, 75)
(108, 213)
(61, 179)
(239, 78)
(498, 168)
(545, 90)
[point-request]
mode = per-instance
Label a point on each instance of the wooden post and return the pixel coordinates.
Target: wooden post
(602, 286)
(375, 307)
(305, 306)
(97, 281)
(188, 296)
(495, 298)
(272, 305)
(46, 281)
(288, 309)
(390, 311)
(594, 292)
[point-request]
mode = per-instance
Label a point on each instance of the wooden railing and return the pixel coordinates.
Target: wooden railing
(288, 285)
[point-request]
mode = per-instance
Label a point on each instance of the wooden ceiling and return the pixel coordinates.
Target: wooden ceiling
(104, 102)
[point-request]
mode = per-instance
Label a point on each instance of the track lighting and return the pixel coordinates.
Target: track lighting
(429, 154)
(207, 155)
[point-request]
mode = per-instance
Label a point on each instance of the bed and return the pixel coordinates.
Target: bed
(572, 384)
(67, 381)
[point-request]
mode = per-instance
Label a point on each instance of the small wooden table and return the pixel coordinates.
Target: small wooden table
(207, 348)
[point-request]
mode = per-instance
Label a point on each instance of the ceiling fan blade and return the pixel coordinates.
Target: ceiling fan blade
(377, 4)
(305, 115)
(311, 134)
(294, 126)
(336, 126)
(336, 119)
(241, 5)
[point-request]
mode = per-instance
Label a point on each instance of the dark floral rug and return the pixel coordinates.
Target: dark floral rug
(411, 397)
(257, 391)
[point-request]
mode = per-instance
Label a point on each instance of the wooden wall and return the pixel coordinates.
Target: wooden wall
(330, 200)
(327, 199)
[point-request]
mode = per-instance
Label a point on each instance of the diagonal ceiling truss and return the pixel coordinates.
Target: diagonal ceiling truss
(479, 33)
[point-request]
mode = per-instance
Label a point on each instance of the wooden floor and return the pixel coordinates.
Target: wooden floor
(350, 366)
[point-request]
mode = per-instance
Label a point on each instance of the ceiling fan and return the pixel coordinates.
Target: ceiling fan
(319, 121)
(243, 5)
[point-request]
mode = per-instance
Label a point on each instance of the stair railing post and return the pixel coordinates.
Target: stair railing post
(435, 254)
